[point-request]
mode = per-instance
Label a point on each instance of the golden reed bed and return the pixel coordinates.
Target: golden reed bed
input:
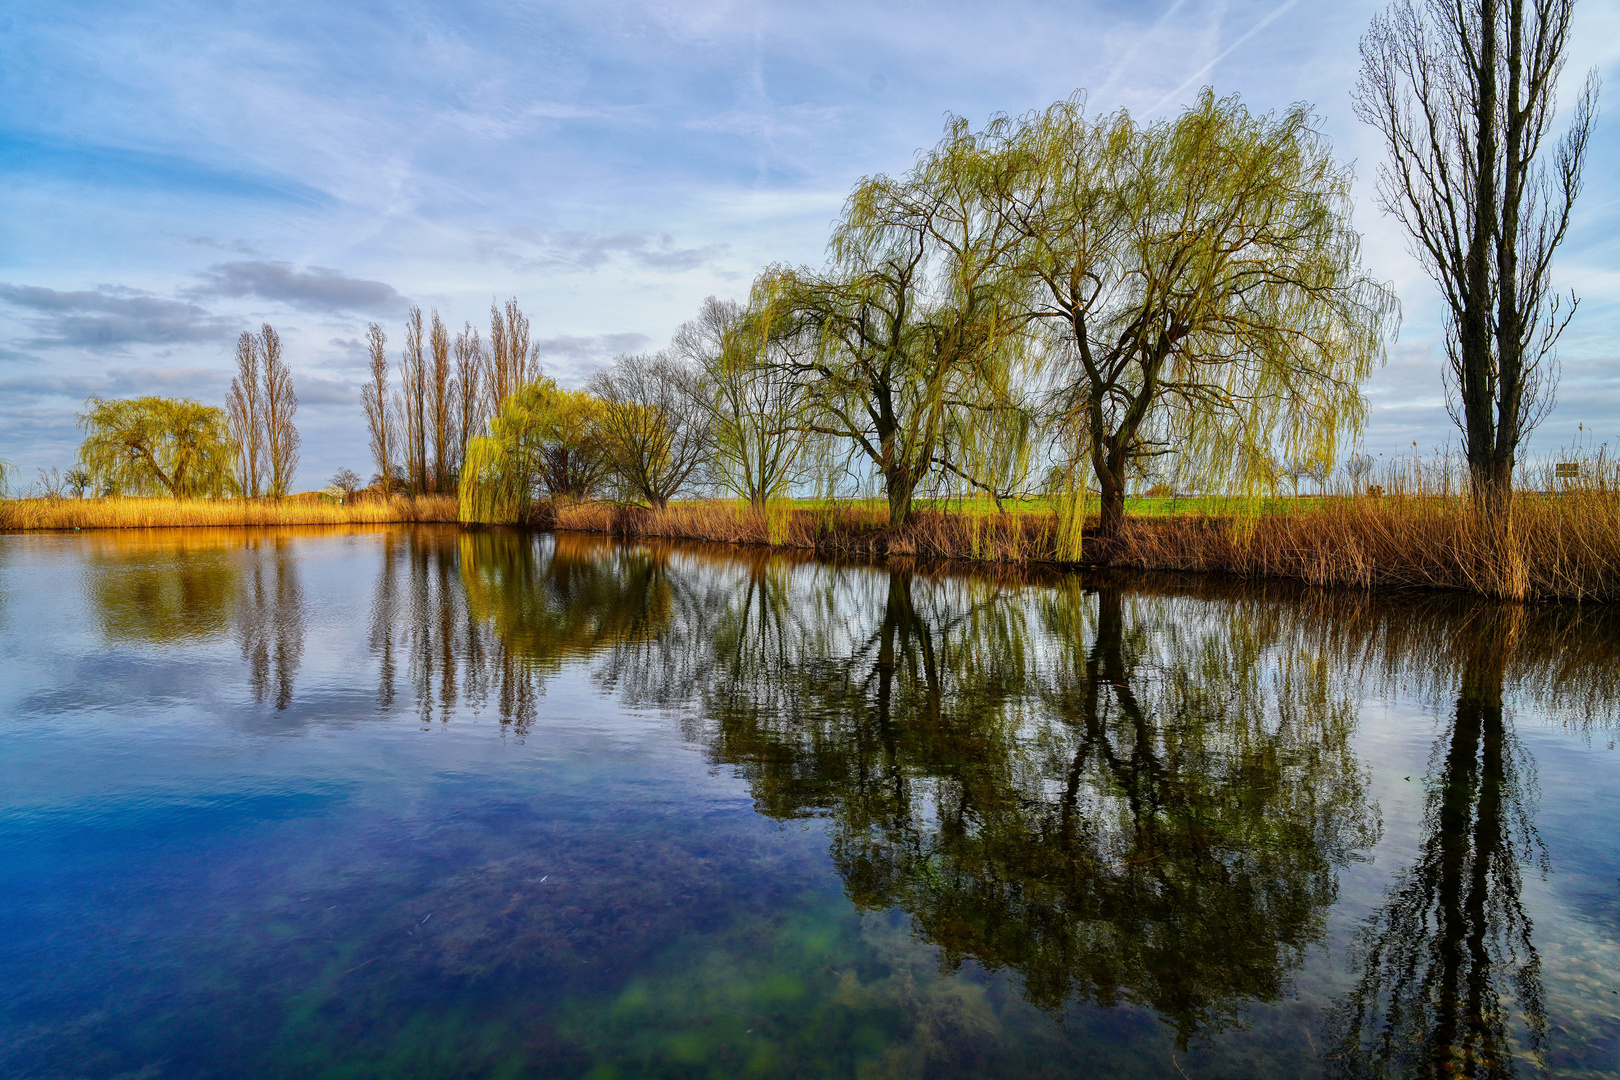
(132, 513)
(1564, 547)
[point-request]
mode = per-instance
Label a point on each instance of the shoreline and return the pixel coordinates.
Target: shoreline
(1559, 550)
(1556, 553)
(71, 515)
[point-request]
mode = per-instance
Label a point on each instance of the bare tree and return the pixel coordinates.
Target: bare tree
(51, 483)
(1463, 93)
(379, 418)
(244, 409)
(514, 360)
(412, 403)
(755, 416)
(441, 397)
(347, 481)
(469, 391)
(496, 366)
(280, 404)
(654, 425)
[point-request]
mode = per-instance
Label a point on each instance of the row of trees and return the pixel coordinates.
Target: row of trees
(184, 449)
(260, 410)
(1060, 303)
(449, 388)
(1051, 304)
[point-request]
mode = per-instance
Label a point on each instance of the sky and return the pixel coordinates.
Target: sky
(172, 174)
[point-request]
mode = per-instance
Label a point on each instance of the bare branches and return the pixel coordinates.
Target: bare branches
(655, 428)
(244, 408)
(281, 440)
(380, 421)
(1462, 91)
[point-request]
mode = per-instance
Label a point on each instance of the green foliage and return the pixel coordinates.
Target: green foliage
(1200, 281)
(545, 438)
(156, 446)
(910, 341)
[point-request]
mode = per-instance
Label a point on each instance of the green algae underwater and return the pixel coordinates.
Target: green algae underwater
(418, 802)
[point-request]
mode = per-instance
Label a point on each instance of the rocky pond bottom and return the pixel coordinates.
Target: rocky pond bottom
(415, 802)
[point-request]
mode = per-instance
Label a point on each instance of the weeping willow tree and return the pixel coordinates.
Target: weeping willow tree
(546, 439)
(157, 446)
(1201, 281)
(908, 344)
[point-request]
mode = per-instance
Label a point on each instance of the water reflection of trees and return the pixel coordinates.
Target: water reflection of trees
(1141, 792)
(1115, 799)
(483, 618)
(173, 586)
(161, 588)
(1138, 792)
(1450, 977)
(269, 621)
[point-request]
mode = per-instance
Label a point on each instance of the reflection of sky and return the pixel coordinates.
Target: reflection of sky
(175, 173)
(163, 834)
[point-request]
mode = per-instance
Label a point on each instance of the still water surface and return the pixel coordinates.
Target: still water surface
(418, 803)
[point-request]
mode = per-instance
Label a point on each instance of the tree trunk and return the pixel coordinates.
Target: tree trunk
(1112, 521)
(900, 488)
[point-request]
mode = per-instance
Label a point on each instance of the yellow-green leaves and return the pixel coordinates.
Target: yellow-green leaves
(156, 446)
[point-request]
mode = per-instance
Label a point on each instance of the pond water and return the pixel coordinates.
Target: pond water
(419, 803)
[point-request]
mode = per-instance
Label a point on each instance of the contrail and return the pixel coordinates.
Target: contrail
(1201, 72)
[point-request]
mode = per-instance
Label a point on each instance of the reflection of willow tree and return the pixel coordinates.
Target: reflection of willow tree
(487, 615)
(177, 586)
(1152, 817)
(270, 621)
(162, 589)
(1451, 979)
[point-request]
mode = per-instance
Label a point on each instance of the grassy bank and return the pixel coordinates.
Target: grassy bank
(132, 513)
(1562, 547)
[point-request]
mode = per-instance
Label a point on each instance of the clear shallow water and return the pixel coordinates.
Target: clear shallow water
(414, 803)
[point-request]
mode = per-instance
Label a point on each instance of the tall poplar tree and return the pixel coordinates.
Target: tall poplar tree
(1463, 92)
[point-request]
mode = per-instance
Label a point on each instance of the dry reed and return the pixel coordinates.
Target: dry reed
(137, 513)
(1416, 528)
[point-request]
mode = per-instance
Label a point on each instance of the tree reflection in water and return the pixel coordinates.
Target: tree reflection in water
(1451, 979)
(485, 616)
(1113, 800)
(1125, 793)
(171, 586)
(269, 621)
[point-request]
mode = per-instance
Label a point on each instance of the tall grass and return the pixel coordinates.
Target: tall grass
(1412, 524)
(829, 528)
(139, 513)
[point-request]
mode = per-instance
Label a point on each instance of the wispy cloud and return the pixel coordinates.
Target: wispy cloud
(584, 250)
(194, 382)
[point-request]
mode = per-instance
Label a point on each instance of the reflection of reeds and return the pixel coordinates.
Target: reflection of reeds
(137, 513)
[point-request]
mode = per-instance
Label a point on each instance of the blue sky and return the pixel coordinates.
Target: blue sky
(174, 173)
